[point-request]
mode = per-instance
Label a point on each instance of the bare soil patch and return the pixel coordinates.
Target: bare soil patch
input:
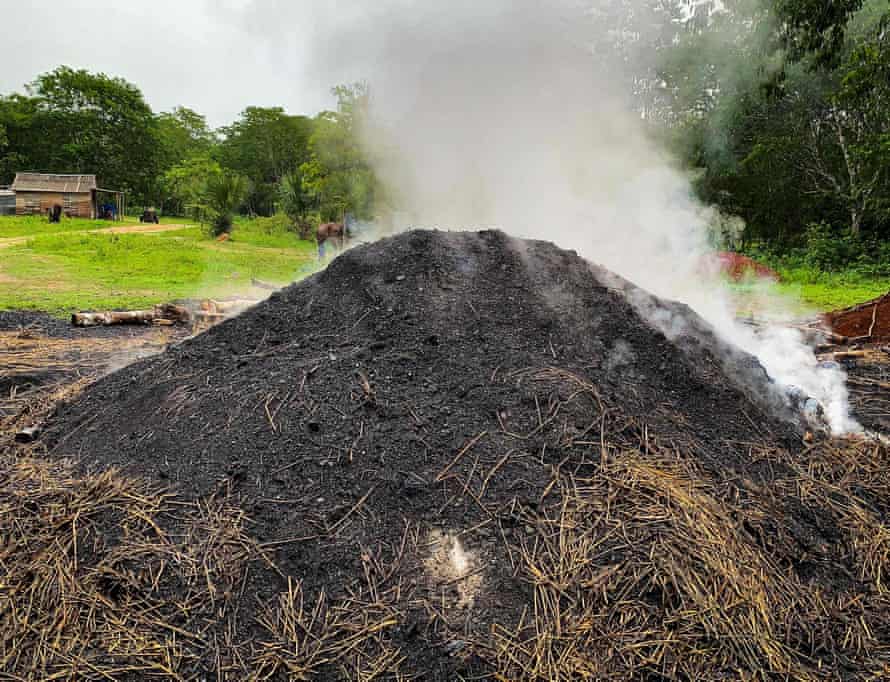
(869, 320)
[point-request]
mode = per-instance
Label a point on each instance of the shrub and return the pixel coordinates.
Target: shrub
(225, 194)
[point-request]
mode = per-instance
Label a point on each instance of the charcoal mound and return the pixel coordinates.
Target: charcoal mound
(488, 446)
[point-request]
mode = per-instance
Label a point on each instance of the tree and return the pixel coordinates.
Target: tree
(185, 185)
(92, 123)
(225, 194)
(817, 27)
(339, 175)
(23, 143)
(785, 140)
(182, 134)
(264, 144)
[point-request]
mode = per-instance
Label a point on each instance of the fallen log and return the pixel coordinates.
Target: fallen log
(849, 355)
(112, 317)
(207, 315)
(168, 312)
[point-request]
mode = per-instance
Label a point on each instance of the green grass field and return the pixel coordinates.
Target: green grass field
(832, 290)
(63, 270)
(804, 291)
(24, 226)
(67, 267)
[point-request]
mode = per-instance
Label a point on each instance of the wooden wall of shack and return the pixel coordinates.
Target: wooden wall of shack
(74, 204)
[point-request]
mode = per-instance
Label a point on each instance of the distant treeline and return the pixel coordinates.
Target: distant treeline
(780, 109)
(74, 121)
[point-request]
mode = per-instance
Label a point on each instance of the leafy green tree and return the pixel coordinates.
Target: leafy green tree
(24, 143)
(818, 27)
(785, 139)
(92, 123)
(339, 175)
(264, 144)
(185, 186)
(182, 134)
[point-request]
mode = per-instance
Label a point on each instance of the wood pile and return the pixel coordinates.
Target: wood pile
(166, 314)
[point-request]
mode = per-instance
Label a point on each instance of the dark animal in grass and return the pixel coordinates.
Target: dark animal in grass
(333, 232)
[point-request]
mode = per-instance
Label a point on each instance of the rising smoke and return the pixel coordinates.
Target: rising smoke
(523, 115)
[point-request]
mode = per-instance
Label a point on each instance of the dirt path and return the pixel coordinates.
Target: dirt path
(122, 229)
(148, 228)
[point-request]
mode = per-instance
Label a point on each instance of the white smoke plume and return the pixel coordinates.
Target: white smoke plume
(521, 115)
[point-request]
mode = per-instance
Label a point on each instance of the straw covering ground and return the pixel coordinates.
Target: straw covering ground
(447, 456)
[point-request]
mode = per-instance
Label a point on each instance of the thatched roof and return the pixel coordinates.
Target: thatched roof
(46, 182)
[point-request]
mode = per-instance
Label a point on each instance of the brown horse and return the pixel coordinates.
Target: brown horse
(335, 232)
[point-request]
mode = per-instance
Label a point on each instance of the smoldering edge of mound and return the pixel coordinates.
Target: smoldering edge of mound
(480, 442)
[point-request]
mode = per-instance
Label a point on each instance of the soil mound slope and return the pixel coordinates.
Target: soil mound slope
(460, 454)
(869, 321)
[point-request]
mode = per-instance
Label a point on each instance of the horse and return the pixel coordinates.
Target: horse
(336, 232)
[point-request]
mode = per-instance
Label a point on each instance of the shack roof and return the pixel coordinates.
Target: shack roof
(46, 182)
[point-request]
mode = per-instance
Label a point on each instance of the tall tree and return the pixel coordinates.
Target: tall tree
(339, 175)
(21, 140)
(817, 27)
(785, 143)
(264, 144)
(184, 187)
(182, 134)
(92, 123)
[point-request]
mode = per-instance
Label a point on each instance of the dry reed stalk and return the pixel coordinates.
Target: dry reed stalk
(641, 570)
(94, 587)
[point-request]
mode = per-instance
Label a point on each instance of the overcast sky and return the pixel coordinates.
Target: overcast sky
(215, 56)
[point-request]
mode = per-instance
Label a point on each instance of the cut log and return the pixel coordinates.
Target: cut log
(167, 311)
(853, 381)
(825, 336)
(849, 355)
(112, 317)
(172, 311)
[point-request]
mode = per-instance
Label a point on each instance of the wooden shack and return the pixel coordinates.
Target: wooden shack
(36, 193)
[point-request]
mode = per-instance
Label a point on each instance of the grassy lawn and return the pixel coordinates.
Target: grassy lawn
(60, 268)
(829, 290)
(23, 226)
(272, 232)
(62, 272)
(804, 292)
